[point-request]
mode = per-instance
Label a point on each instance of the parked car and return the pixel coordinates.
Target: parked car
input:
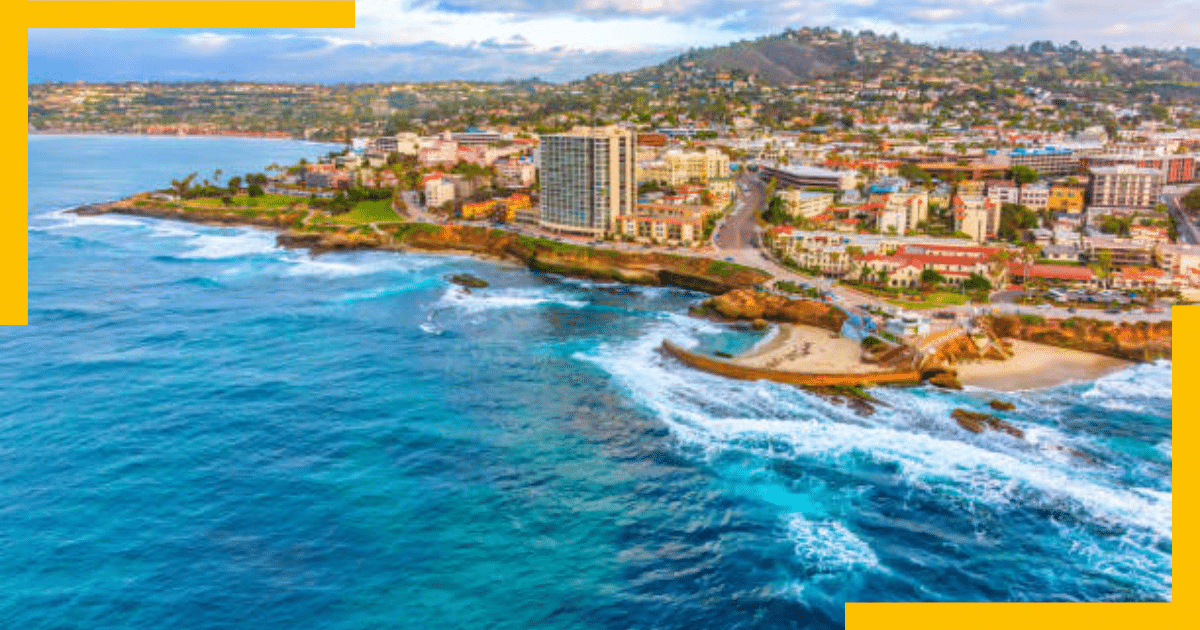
(1153, 309)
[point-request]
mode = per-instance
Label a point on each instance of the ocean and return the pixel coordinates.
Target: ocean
(200, 430)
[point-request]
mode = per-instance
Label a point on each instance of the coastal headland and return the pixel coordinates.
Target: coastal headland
(300, 228)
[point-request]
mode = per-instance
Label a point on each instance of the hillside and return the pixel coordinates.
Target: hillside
(799, 55)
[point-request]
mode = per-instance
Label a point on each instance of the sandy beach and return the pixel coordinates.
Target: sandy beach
(1035, 365)
(808, 349)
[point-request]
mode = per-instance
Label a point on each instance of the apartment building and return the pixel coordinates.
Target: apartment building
(661, 223)
(1047, 160)
(439, 189)
(902, 212)
(587, 179)
(402, 143)
(1065, 199)
(1124, 186)
(1175, 169)
(978, 217)
(1002, 191)
(1036, 197)
(803, 203)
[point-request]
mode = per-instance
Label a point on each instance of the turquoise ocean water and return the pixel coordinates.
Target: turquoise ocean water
(200, 430)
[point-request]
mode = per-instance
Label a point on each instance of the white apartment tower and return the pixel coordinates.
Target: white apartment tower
(587, 179)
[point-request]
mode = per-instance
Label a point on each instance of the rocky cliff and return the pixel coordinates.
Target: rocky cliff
(752, 305)
(1140, 341)
(698, 274)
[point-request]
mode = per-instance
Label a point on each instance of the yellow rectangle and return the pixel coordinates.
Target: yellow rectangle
(191, 14)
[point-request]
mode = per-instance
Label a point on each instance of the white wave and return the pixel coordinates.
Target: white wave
(1132, 556)
(828, 546)
(489, 299)
(64, 219)
(914, 433)
(219, 246)
(1164, 448)
(167, 229)
(356, 264)
(431, 328)
(1145, 380)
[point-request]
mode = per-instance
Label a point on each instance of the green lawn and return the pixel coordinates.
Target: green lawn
(266, 202)
(367, 212)
(933, 300)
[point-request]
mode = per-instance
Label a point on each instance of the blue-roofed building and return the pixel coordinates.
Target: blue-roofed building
(1048, 160)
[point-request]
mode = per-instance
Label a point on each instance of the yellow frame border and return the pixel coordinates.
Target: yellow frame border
(340, 14)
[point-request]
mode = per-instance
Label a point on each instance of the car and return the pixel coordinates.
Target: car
(1042, 306)
(944, 315)
(729, 258)
(1070, 309)
(1153, 309)
(1113, 311)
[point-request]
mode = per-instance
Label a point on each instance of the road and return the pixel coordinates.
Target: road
(1188, 232)
(740, 229)
(736, 238)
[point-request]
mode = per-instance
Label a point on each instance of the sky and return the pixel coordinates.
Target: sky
(561, 40)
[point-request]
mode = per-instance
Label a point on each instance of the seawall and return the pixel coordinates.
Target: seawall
(732, 370)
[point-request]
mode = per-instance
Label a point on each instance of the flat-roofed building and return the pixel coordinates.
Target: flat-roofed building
(1036, 196)
(1002, 191)
(803, 203)
(1065, 198)
(1124, 186)
(1047, 160)
(977, 217)
(810, 177)
(663, 223)
(587, 179)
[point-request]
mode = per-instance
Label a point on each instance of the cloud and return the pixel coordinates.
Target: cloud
(567, 39)
(207, 41)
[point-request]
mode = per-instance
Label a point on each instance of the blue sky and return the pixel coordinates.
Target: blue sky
(558, 40)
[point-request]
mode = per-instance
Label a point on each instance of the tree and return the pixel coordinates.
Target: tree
(1191, 201)
(976, 282)
(1029, 253)
(1024, 175)
(932, 278)
(1014, 219)
(235, 184)
(255, 190)
(181, 185)
(1104, 265)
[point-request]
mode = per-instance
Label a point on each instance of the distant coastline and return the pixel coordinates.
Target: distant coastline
(248, 135)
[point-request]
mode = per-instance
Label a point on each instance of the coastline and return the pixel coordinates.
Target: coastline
(1036, 366)
(539, 254)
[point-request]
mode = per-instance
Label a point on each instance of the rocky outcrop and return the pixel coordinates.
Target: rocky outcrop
(746, 304)
(942, 377)
(1131, 341)
(977, 422)
(468, 281)
(686, 272)
(1000, 405)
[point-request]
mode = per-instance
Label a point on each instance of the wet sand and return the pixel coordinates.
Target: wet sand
(799, 348)
(1035, 365)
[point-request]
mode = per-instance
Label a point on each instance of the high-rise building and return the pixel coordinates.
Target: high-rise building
(587, 179)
